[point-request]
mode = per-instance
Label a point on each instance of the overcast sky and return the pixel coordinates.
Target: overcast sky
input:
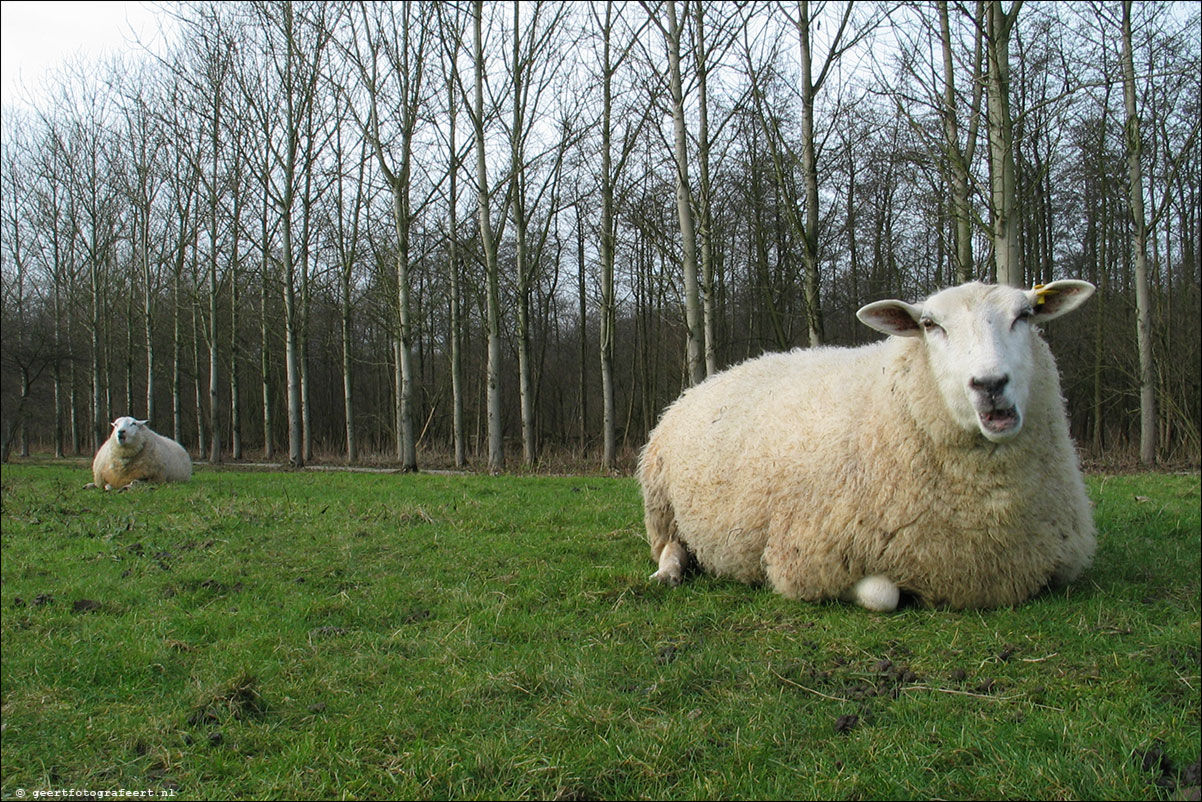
(38, 36)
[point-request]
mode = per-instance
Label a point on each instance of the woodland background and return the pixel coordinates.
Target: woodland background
(496, 234)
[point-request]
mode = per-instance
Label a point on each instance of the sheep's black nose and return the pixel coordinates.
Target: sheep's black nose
(989, 385)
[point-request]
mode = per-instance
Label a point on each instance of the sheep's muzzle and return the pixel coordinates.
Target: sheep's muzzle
(1000, 421)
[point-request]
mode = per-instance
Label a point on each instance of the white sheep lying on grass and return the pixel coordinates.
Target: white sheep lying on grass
(937, 462)
(133, 453)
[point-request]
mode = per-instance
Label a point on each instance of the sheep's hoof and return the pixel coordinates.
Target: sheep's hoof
(90, 486)
(667, 578)
(672, 562)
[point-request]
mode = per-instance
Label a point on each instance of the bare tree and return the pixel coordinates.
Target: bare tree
(183, 188)
(21, 305)
(294, 46)
(488, 241)
(1139, 247)
(702, 56)
(845, 38)
(960, 156)
(87, 143)
(533, 178)
(146, 140)
(673, 30)
(347, 214)
(404, 41)
(215, 68)
(152, 204)
(956, 143)
(55, 228)
(610, 176)
(1007, 250)
(451, 27)
(814, 72)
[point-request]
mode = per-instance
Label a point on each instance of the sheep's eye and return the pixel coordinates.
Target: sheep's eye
(930, 325)
(1024, 316)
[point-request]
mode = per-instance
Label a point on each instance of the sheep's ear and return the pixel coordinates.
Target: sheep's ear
(1058, 298)
(114, 423)
(892, 317)
(142, 422)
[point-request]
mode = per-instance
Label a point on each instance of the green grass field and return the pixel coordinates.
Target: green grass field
(255, 635)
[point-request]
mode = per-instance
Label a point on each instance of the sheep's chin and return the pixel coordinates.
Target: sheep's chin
(1000, 425)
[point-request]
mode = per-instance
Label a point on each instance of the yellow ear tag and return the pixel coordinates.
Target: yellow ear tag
(1040, 292)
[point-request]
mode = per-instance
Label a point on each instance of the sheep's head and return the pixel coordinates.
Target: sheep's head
(978, 339)
(126, 429)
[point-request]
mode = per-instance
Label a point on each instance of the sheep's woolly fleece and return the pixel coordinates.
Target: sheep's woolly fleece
(842, 473)
(136, 453)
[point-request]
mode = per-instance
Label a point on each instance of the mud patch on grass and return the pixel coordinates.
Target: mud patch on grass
(86, 606)
(1180, 783)
(238, 699)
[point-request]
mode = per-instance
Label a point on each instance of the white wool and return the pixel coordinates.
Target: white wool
(936, 463)
(134, 452)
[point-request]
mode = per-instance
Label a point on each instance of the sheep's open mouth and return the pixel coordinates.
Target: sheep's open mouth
(999, 421)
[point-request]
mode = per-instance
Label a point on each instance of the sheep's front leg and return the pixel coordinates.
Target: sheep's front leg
(672, 563)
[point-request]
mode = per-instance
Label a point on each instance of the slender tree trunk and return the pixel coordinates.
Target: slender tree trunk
(457, 424)
(303, 313)
(265, 343)
(148, 316)
(129, 350)
(705, 213)
(525, 388)
(582, 327)
(214, 365)
(853, 246)
(235, 362)
(1006, 240)
(958, 157)
(293, 345)
(496, 443)
(1139, 236)
(459, 432)
(73, 382)
(97, 374)
(177, 404)
(292, 355)
(348, 396)
(406, 447)
(347, 244)
(59, 392)
(695, 335)
(1100, 328)
(809, 170)
(608, 306)
(521, 247)
(213, 329)
(197, 384)
(296, 454)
